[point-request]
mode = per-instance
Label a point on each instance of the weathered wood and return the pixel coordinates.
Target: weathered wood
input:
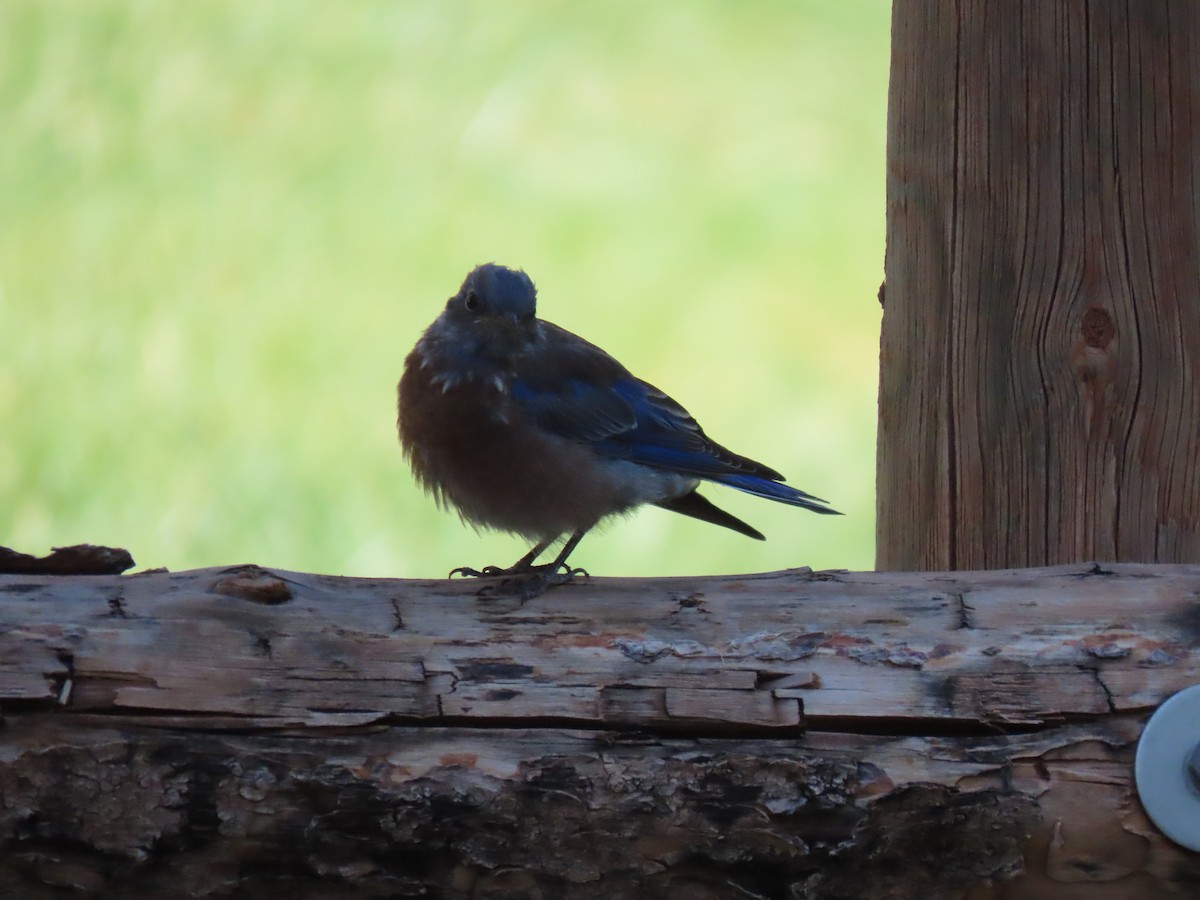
(257, 733)
(79, 559)
(1040, 351)
(969, 652)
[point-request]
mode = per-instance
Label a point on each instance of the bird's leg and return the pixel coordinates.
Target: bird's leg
(560, 561)
(524, 564)
(529, 580)
(539, 579)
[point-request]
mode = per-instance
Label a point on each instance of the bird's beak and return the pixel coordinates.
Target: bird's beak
(516, 327)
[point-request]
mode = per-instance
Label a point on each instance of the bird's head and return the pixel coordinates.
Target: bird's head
(494, 314)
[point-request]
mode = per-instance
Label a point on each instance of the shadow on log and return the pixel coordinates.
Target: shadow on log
(248, 733)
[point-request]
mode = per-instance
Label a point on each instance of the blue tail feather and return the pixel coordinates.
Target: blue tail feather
(773, 490)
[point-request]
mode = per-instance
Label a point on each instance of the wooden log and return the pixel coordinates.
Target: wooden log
(245, 732)
(1040, 351)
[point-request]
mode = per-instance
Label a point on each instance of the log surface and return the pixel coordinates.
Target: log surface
(953, 652)
(246, 732)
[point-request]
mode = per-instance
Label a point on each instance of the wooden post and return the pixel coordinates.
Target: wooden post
(1040, 381)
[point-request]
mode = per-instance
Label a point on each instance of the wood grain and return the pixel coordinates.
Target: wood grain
(974, 651)
(249, 732)
(1040, 349)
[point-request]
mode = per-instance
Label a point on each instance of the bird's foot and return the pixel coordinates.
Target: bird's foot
(485, 572)
(526, 583)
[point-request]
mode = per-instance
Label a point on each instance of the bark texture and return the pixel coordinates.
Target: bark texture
(248, 733)
(1040, 379)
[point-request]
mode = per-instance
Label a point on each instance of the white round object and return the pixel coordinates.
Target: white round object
(1165, 770)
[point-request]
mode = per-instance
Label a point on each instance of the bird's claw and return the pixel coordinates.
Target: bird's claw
(522, 583)
(485, 572)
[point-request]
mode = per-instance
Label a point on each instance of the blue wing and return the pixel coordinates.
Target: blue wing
(576, 390)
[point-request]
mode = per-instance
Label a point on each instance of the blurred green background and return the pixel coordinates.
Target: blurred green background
(224, 224)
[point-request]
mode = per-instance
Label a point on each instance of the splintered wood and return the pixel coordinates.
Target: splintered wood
(825, 730)
(867, 651)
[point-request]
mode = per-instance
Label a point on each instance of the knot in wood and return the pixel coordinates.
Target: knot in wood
(254, 584)
(1098, 328)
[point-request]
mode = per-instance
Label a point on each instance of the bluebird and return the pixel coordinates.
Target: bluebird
(525, 427)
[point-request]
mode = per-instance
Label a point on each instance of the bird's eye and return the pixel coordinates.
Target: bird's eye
(471, 301)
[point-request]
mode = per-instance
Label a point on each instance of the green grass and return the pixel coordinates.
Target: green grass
(224, 224)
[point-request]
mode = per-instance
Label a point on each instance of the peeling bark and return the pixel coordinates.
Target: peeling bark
(140, 812)
(80, 559)
(244, 732)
